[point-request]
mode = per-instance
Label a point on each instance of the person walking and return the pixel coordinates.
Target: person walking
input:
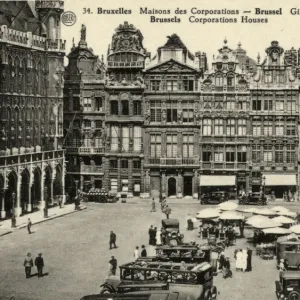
(249, 260)
(113, 266)
(39, 263)
(29, 224)
(153, 206)
(144, 251)
(158, 237)
(28, 264)
(226, 269)
(154, 236)
(167, 211)
(244, 260)
(221, 261)
(112, 240)
(150, 232)
(136, 254)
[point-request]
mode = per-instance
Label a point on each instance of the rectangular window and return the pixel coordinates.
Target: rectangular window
(268, 153)
(256, 153)
(256, 102)
(113, 164)
(98, 138)
(230, 105)
(98, 124)
(137, 138)
(171, 111)
(188, 145)
(125, 107)
(188, 112)
(256, 128)
(219, 154)
(114, 107)
(242, 154)
(268, 77)
(76, 140)
(136, 164)
(219, 127)
(207, 126)
(155, 85)
(76, 104)
(279, 153)
(242, 127)
(290, 105)
(290, 154)
(268, 105)
(124, 164)
(125, 139)
(114, 142)
(206, 153)
(291, 127)
(87, 104)
(172, 85)
(230, 154)
(98, 103)
(155, 111)
(242, 105)
(87, 123)
(137, 108)
(279, 126)
(172, 145)
(155, 145)
(279, 105)
(268, 128)
(188, 85)
(230, 127)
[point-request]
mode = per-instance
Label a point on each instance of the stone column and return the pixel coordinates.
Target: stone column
(18, 208)
(247, 183)
(163, 183)
(63, 182)
(179, 184)
(130, 181)
(29, 204)
(3, 211)
(81, 182)
(195, 184)
(146, 184)
(119, 178)
(43, 177)
(51, 190)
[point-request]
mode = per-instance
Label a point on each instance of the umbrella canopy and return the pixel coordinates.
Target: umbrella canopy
(265, 212)
(247, 210)
(264, 223)
(284, 220)
(295, 229)
(279, 209)
(256, 219)
(290, 214)
(231, 215)
(276, 230)
(291, 237)
(208, 213)
(228, 205)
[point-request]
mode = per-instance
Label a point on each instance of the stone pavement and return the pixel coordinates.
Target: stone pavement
(38, 217)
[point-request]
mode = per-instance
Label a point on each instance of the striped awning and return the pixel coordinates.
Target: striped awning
(215, 180)
(280, 179)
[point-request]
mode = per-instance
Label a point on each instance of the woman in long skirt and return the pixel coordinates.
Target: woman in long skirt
(158, 237)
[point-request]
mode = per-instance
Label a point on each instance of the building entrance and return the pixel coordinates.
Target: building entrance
(172, 187)
(188, 186)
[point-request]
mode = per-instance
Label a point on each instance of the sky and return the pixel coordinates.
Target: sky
(196, 36)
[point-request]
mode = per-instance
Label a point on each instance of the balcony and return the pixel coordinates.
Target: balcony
(127, 64)
(84, 169)
(178, 161)
(224, 165)
(84, 150)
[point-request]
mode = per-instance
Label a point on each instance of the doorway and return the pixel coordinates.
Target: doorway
(171, 187)
(188, 186)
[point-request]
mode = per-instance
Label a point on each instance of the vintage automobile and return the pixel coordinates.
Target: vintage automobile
(253, 198)
(288, 286)
(214, 197)
(195, 279)
(100, 195)
(141, 295)
(289, 251)
(185, 252)
(173, 236)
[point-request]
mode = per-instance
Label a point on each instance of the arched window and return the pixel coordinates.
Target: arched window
(9, 74)
(9, 127)
(16, 126)
(219, 80)
(230, 80)
(17, 75)
(34, 78)
(24, 77)
(39, 78)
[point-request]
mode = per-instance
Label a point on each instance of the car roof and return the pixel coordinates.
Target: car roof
(290, 275)
(170, 222)
(169, 247)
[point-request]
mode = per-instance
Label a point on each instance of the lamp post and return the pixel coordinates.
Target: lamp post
(13, 218)
(76, 184)
(264, 185)
(46, 202)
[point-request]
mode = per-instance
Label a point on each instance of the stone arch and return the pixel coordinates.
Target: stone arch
(10, 202)
(25, 186)
(57, 184)
(36, 187)
(48, 172)
(172, 186)
(9, 124)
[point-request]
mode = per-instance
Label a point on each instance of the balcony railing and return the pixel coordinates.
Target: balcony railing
(84, 169)
(126, 64)
(167, 161)
(224, 165)
(84, 150)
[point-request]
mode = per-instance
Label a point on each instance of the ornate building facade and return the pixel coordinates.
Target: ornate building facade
(274, 117)
(31, 105)
(84, 117)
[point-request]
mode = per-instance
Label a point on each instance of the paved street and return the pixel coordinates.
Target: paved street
(75, 250)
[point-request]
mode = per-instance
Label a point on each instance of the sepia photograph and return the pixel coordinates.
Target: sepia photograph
(149, 150)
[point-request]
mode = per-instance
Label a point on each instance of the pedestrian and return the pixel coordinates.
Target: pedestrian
(244, 260)
(150, 232)
(112, 240)
(226, 269)
(59, 202)
(167, 211)
(214, 260)
(29, 224)
(249, 260)
(113, 266)
(136, 254)
(153, 206)
(221, 260)
(154, 236)
(144, 251)
(239, 264)
(39, 263)
(28, 264)
(158, 237)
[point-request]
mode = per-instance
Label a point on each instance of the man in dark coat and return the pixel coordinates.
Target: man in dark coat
(150, 232)
(167, 211)
(144, 251)
(112, 240)
(113, 265)
(39, 263)
(249, 260)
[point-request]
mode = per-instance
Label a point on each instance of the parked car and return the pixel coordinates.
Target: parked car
(288, 286)
(253, 198)
(214, 197)
(173, 235)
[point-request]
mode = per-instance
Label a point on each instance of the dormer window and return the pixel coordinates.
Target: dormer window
(219, 65)
(230, 80)
(231, 66)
